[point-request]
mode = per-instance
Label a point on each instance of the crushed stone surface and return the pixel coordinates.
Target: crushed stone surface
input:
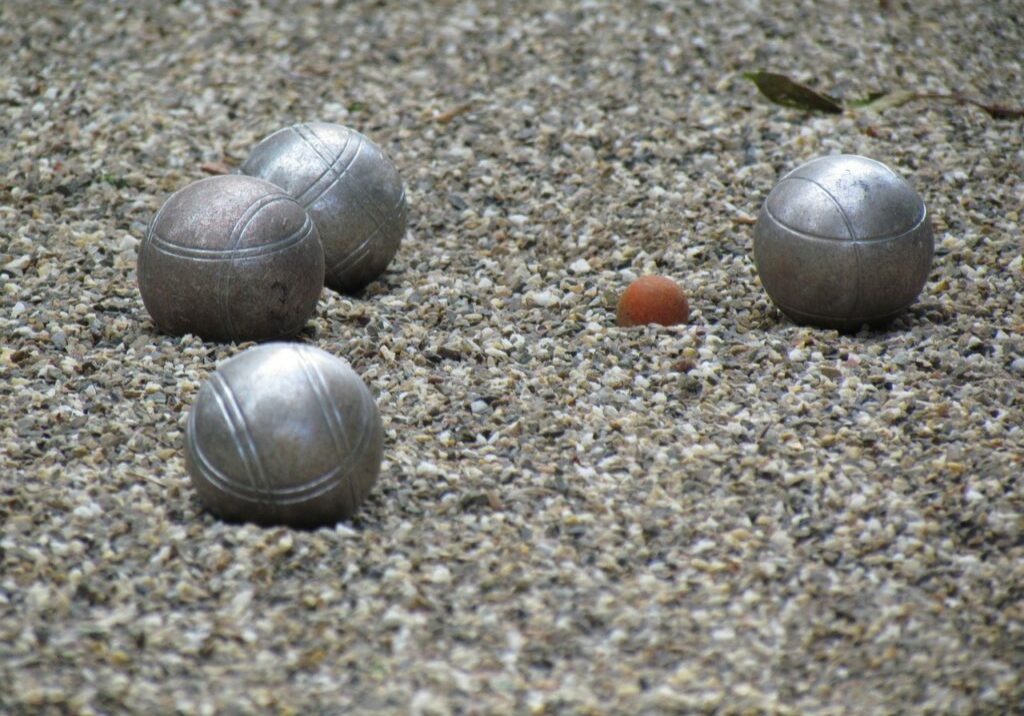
(738, 515)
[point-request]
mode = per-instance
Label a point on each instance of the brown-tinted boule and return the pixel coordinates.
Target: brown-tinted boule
(231, 258)
(284, 433)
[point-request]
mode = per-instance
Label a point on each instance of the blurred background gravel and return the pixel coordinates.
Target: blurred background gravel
(735, 516)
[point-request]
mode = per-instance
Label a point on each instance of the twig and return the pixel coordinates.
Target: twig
(450, 114)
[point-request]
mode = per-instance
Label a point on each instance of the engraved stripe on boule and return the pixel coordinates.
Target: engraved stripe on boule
(314, 141)
(834, 200)
(820, 237)
(320, 148)
(381, 219)
(240, 436)
(211, 473)
(250, 252)
(329, 166)
(277, 496)
(333, 419)
(338, 175)
(259, 488)
(366, 204)
(359, 252)
(224, 274)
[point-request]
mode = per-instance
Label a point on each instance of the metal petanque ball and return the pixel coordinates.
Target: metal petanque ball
(842, 241)
(231, 258)
(284, 434)
(350, 188)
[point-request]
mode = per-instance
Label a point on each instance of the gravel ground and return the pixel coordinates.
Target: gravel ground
(739, 515)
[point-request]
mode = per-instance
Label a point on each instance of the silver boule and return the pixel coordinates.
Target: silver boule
(350, 188)
(842, 241)
(231, 258)
(284, 434)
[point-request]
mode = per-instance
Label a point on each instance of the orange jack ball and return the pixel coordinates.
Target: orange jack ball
(653, 299)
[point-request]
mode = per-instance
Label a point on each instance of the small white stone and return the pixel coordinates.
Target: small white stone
(701, 546)
(544, 299)
(18, 264)
(579, 266)
(440, 575)
(427, 469)
(88, 510)
(128, 243)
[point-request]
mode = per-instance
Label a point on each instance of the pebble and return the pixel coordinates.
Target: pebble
(580, 266)
(544, 299)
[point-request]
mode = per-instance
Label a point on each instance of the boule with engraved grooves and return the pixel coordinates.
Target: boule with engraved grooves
(350, 188)
(231, 258)
(284, 434)
(843, 241)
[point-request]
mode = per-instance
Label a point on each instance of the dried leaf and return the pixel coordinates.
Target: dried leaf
(784, 91)
(998, 111)
(450, 114)
(898, 99)
(867, 101)
(890, 100)
(215, 168)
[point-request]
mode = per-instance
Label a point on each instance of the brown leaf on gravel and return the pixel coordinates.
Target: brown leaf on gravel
(215, 168)
(450, 114)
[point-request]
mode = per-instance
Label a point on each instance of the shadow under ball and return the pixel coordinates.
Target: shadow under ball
(231, 258)
(350, 188)
(284, 434)
(842, 241)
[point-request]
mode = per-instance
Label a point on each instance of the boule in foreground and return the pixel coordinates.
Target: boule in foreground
(284, 434)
